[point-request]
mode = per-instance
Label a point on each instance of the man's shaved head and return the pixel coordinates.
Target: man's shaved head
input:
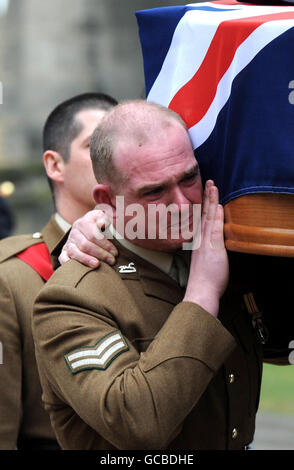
(135, 123)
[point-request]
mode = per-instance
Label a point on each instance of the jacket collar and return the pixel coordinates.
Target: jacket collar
(154, 281)
(53, 234)
(54, 237)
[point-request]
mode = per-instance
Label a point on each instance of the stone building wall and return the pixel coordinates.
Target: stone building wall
(49, 52)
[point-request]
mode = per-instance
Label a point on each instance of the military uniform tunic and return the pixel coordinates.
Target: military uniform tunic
(23, 420)
(126, 364)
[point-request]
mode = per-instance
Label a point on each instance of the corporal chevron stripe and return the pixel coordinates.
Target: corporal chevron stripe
(98, 356)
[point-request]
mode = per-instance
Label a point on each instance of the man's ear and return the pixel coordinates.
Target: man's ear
(105, 199)
(54, 165)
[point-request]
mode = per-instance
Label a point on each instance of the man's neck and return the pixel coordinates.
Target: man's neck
(70, 211)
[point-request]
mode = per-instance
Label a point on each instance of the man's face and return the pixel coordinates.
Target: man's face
(161, 172)
(79, 178)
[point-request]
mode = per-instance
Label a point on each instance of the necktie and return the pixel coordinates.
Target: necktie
(180, 268)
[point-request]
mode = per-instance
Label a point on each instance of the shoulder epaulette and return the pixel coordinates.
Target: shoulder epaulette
(29, 248)
(11, 246)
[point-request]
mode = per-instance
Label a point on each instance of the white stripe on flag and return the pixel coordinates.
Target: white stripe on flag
(222, 7)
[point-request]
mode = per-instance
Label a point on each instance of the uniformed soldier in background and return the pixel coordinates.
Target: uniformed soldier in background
(147, 354)
(6, 218)
(27, 261)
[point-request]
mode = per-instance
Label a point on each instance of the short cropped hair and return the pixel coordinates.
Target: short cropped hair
(133, 121)
(61, 127)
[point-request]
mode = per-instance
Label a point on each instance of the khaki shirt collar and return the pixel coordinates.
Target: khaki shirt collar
(63, 224)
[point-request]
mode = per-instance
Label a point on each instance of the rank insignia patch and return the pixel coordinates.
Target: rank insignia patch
(98, 356)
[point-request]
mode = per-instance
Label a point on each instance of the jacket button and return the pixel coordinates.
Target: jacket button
(231, 378)
(37, 235)
(234, 433)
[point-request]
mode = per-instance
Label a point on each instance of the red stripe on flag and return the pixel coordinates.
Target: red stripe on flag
(38, 257)
(193, 100)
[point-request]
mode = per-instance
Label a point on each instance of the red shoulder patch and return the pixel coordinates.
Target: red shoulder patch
(38, 257)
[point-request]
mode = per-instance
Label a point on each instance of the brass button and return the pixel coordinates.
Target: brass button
(231, 378)
(234, 433)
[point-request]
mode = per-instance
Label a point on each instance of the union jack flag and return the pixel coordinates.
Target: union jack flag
(228, 69)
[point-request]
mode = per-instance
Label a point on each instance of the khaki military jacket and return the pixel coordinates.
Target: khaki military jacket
(23, 420)
(126, 364)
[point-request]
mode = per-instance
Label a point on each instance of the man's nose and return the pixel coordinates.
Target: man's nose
(178, 197)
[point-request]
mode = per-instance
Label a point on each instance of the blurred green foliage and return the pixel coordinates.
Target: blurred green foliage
(277, 390)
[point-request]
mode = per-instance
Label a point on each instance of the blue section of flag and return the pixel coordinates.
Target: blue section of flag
(156, 30)
(251, 147)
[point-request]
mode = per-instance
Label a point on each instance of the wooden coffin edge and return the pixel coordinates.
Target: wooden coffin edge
(260, 224)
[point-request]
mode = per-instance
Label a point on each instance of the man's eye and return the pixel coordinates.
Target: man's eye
(154, 192)
(189, 178)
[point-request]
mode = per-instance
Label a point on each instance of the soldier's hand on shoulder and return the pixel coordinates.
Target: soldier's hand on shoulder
(86, 242)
